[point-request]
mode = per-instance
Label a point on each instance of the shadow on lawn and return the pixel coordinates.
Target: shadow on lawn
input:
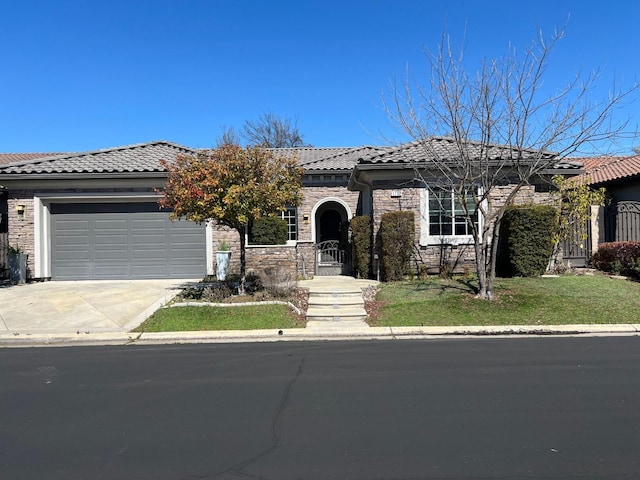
(442, 286)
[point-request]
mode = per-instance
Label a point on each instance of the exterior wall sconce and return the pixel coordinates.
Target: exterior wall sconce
(20, 210)
(305, 217)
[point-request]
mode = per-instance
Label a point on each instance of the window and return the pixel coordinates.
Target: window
(290, 215)
(443, 219)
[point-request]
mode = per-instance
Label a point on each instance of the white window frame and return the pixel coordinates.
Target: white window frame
(427, 239)
(283, 215)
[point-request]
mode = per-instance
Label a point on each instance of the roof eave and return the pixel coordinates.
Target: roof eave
(80, 175)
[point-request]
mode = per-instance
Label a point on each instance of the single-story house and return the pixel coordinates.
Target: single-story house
(94, 215)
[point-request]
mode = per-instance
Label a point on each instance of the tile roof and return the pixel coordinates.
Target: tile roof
(6, 158)
(445, 148)
(143, 157)
(341, 160)
(600, 170)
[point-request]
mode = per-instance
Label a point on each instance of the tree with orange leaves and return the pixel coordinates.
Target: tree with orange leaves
(232, 185)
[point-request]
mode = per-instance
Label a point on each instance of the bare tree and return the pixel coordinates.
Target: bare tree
(228, 136)
(506, 126)
(271, 131)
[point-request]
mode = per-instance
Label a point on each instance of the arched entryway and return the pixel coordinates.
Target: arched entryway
(331, 236)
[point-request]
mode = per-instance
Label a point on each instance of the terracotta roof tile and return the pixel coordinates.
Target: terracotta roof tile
(600, 170)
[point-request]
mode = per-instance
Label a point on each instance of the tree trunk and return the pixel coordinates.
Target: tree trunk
(481, 270)
(243, 260)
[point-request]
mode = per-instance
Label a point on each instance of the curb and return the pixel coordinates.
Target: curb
(335, 333)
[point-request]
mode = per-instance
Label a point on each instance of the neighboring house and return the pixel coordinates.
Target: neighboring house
(620, 176)
(94, 215)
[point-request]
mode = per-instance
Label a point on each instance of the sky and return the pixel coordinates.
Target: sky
(81, 75)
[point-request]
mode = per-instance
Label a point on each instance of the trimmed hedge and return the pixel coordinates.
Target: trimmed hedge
(397, 231)
(361, 238)
(268, 231)
(620, 258)
(526, 240)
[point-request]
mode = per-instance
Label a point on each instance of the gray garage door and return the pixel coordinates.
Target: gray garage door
(123, 241)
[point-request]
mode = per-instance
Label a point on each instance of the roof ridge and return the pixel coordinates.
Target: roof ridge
(82, 155)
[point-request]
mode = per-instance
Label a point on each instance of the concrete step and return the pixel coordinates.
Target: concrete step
(326, 301)
(336, 293)
(340, 313)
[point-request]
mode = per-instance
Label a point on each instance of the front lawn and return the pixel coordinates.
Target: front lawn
(176, 319)
(520, 301)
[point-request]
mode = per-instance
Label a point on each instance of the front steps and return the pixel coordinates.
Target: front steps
(336, 301)
(336, 306)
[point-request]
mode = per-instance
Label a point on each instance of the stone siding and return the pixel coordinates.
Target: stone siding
(314, 196)
(21, 227)
(433, 259)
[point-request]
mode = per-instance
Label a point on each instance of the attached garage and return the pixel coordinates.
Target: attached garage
(100, 241)
(94, 216)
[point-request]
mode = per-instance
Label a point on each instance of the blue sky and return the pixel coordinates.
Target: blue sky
(83, 75)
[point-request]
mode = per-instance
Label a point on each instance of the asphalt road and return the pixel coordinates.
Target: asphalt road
(518, 408)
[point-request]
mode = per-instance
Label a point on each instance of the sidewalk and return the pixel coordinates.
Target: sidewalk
(333, 332)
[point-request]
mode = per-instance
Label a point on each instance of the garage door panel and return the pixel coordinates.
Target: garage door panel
(148, 239)
(111, 271)
(73, 241)
(121, 255)
(73, 225)
(108, 221)
(72, 271)
(185, 253)
(149, 254)
(150, 224)
(96, 241)
(149, 271)
(114, 240)
(73, 255)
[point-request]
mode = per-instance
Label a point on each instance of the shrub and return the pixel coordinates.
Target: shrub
(526, 240)
(361, 238)
(268, 231)
(621, 258)
(397, 231)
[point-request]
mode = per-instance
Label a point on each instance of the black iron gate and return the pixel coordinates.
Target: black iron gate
(576, 250)
(332, 258)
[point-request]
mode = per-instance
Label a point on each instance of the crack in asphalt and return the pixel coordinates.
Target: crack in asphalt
(276, 430)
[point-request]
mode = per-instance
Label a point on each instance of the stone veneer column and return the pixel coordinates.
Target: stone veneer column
(21, 227)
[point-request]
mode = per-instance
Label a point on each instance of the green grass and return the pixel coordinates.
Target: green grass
(178, 319)
(520, 301)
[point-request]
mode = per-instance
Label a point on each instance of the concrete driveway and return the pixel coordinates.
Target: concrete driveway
(83, 306)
